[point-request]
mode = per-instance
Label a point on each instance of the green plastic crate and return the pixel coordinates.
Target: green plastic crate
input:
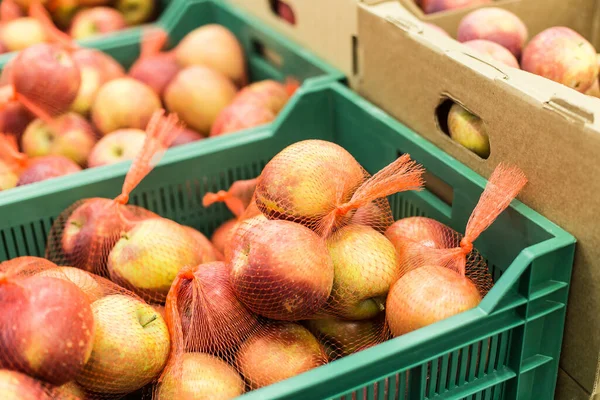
(520, 321)
(162, 7)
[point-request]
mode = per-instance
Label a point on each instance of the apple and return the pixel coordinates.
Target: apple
(10, 10)
(240, 115)
(8, 177)
(433, 6)
(69, 135)
(186, 136)
(427, 295)
(279, 351)
(342, 338)
(136, 11)
(26, 263)
(160, 309)
(222, 235)
(14, 118)
(48, 328)
(493, 50)
(203, 244)
(131, 346)
(147, 258)
(120, 145)
(124, 103)
(22, 33)
(198, 94)
(62, 12)
(97, 20)
(268, 93)
(212, 318)
(307, 180)
(496, 25)
(156, 70)
(216, 47)
(376, 214)
(69, 391)
(594, 90)
(280, 269)
(564, 56)
(366, 264)
(90, 230)
(286, 12)
(47, 167)
(17, 386)
(82, 279)
(468, 130)
(200, 376)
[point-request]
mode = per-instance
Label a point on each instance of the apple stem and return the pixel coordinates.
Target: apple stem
(153, 318)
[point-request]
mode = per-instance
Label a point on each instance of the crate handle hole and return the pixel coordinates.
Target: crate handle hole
(463, 126)
(283, 10)
(268, 54)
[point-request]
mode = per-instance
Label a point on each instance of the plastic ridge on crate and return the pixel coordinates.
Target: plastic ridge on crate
(505, 349)
(96, 41)
(182, 19)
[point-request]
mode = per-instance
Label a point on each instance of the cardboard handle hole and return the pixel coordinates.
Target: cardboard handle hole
(283, 10)
(463, 126)
(270, 55)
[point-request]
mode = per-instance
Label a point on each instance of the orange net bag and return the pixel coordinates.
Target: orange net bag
(131, 245)
(68, 334)
(155, 68)
(441, 273)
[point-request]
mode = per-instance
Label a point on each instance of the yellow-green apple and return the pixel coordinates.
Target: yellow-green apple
(366, 264)
(92, 21)
(433, 6)
(82, 279)
(47, 167)
(212, 319)
(468, 130)
(307, 180)
(280, 269)
(124, 103)
(198, 94)
(69, 135)
(136, 11)
(120, 145)
(278, 351)
(493, 50)
(427, 295)
(147, 258)
(216, 47)
(17, 386)
(496, 25)
(48, 328)
(8, 177)
(131, 346)
(562, 55)
(22, 33)
(200, 376)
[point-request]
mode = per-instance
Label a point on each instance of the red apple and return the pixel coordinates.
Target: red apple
(564, 56)
(240, 115)
(277, 352)
(47, 167)
(286, 12)
(124, 103)
(27, 263)
(69, 135)
(10, 10)
(14, 118)
(198, 94)
(16, 386)
(280, 269)
(493, 50)
(48, 325)
(496, 25)
(22, 33)
(82, 279)
(97, 20)
(271, 94)
(186, 136)
(214, 46)
(427, 295)
(212, 318)
(120, 145)
(433, 6)
(222, 235)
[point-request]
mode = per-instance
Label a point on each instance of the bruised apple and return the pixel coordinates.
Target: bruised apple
(48, 328)
(279, 351)
(427, 295)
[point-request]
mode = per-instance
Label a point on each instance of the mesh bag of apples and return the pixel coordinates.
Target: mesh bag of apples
(311, 268)
(64, 108)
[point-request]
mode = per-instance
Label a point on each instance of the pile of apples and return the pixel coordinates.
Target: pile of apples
(312, 268)
(557, 53)
(70, 108)
(80, 19)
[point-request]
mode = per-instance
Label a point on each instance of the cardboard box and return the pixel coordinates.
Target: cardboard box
(549, 130)
(568, 389)
(328, 28)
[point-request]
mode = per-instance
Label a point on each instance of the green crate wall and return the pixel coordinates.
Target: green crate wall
(507, 348)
